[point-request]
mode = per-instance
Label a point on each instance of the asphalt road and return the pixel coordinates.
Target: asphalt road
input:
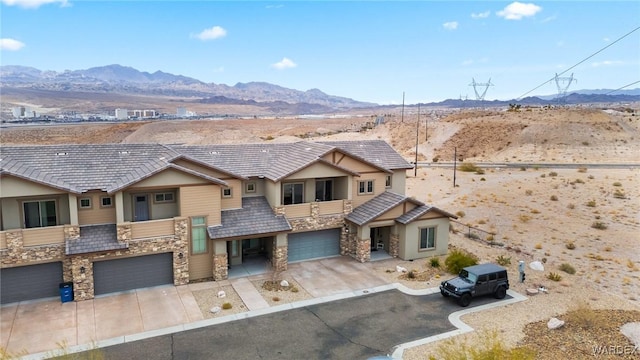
(353, 328)
(533, 165)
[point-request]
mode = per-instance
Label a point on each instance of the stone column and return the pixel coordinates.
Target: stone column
(124, 232)
(394, 245)
(71, 232)
(348, 207)
(220, 267)
(82, 273)
(344, 239)
(279, 210)
(315, 210)
(15, 244)
(363, 250)
(181, 252)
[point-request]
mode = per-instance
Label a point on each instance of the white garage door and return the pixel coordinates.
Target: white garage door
(132, 273)
(30, 282)
(314, 244)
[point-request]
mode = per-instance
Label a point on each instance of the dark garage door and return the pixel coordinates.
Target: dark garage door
(314, 244)
(132, 273)
(30, 282)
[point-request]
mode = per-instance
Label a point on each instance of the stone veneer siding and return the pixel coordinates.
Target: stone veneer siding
(220, 268)
(394, 245)
(279, 257)
(79, 268)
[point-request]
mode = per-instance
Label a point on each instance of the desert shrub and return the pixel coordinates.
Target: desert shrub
(460, 214)
(503, 260)
(434, 262)
(591, 203)
(543, 175)
(535, 211)
(275, 298)
(553, 198)
(571, 206)
(489, 346)
(570, 245)
(543, 260)
(554, 276)
(553, 174)
(566, 267)
(435, 159)
(617, 183)
(483, 179)
(582, 169)
(468, 167)
(619, 194)
(578, 181)
(538, 246)
(524, 218)
(582, 315)
(522, 168)
(528, 192)
(227, 306)
(459, 259)
(294, 289)
(585, 143)
(269, 138)
(599, 225)
(411, 274)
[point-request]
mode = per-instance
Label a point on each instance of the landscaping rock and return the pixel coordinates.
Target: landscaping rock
(284, 283)
(536, 265)
(532, 291)
(400, 268)
(632, 332)
(221, 294)
(555, 323)
(215, 309)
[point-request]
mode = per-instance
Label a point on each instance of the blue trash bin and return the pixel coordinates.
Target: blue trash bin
(66, 292)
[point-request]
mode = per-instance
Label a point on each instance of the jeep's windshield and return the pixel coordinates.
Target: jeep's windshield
(471, 277)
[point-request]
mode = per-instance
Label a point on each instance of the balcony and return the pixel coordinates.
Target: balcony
(313, 209)
(152, 228)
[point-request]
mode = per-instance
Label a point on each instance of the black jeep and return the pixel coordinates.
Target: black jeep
(475, 281)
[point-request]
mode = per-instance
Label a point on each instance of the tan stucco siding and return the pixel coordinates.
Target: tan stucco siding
(14, 187)
(317, 170)
(410, 239)
(398, 181)
(378, 187)
(154, 228)
(273, 193)
(396, 212)
(43, 236)
(168, 178)
(349, 162)
(201, 201)
(3, 240)
(258, 185)
(201, 265)
(235, 201)
(97, 214)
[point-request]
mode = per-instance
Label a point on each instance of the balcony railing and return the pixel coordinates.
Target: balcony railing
(314, 209)
(152, 228)
(3, 240)
(331, 207)
(297, 210)
(43, 236)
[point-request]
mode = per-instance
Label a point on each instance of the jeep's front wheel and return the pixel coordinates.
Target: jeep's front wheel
(465, 300)
(444, 293)
(501, 292)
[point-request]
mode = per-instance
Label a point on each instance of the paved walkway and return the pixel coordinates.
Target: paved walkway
(41, 328)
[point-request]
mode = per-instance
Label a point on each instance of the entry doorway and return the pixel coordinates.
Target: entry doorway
(140, 208)
(380, 238)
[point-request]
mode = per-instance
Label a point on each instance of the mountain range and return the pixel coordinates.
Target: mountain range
(127, 80)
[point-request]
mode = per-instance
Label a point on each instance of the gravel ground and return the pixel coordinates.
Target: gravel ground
(208, 298)
(283, 296)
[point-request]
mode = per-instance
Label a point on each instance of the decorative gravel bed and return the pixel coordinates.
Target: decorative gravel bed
(275, 294)
(208, 298)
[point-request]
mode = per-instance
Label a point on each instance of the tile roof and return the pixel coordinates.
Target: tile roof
(95, 238)
(374, 151)
(377, 206)
(255, 218)
(419, 211)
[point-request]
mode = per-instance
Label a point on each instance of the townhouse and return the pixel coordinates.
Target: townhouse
(116, 217)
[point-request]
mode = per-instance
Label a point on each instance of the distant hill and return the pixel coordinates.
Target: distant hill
(123, 79)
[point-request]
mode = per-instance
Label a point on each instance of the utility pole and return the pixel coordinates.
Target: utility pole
(415, 170)
(426, 129)
(455, 158)
(402, 117)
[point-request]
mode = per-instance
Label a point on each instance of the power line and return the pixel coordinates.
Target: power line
(612, 91)
(585, 59)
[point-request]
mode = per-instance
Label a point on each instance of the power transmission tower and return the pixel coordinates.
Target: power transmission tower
(562, 88)
(479, 96)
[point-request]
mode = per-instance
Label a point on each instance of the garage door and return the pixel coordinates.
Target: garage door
(314, 244)
(30, 282)
(132, 273)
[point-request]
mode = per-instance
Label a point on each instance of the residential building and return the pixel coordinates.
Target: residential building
(122, 114)
(115, 217)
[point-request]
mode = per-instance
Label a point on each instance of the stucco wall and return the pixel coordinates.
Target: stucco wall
(410, 239)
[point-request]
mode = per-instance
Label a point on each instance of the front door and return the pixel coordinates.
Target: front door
(141, 208)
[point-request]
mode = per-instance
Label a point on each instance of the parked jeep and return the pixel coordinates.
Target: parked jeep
(476, 280)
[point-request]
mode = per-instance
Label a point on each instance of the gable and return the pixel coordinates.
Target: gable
(191, 165)
(11, 186)
(170, 177)
(344, 160)
(317, 170)
(432, 214)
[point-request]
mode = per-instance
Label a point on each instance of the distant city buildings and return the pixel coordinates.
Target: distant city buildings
(122, 114)
(183, 112)
(20, 112)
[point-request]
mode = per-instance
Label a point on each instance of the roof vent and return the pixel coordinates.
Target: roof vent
(62, 153)
(264, 150)
(214, 153)
(308, 148)
(123, 152)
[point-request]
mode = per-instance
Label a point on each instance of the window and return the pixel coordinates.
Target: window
(39, 213)
(198, 235)
(163, 197)
(234, 248)
(251, 187)
(387, 181)
(324, 190)
(292, 193)
(106, 201)
(427, 238)
(226, 192)
(365, 187)
(85, 203)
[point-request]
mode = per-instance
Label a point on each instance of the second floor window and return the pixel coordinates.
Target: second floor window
(365, 187)
(292, 193)
(198, 235)
(387, 181)
(39, 213)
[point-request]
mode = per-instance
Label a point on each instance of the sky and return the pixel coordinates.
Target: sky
(370, 51)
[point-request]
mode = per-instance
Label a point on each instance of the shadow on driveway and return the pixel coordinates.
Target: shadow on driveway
(352, 328)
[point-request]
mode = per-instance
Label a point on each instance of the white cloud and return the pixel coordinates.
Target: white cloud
(33, 4)
(215, 32)
(517, 10)
(482, 15)
(451, 25)
(219, 69)
(285, 63)
(606, 63)
(10, 44)
(606, 39)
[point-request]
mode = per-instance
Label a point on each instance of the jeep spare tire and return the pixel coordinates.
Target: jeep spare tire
(501, 292)
(465, 300)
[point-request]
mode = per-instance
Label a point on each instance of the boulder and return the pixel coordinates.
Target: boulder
(555, 323)
(400, 269)
(536, 265)
(632, 332)
(532, 291)
(284, 283)
(221, 294)
(215, 309)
